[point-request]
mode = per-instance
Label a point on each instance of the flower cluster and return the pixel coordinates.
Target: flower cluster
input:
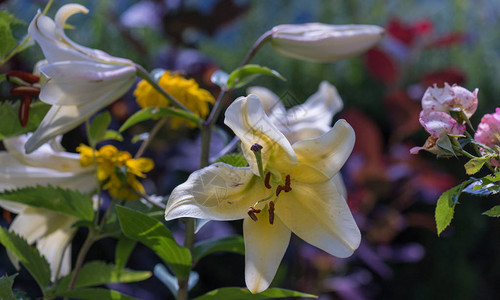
(186, 91)
(117, 169)
(444, 112)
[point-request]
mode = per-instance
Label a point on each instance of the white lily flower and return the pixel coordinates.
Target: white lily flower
(77, 81)
(51, 231)
(296, 192)
(322, 42)
(307, 120)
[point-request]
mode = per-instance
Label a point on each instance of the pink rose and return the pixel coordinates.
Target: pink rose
(449, 98)
(489, 129)
(439, 123)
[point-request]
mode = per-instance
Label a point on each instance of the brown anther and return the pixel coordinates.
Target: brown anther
(279, 189)
(24, 76)
(252, 215)
(256, 147)
(271, 212)
(255, 210)
(25, 91)
(266, 181)
(24, 111)
(287, 184)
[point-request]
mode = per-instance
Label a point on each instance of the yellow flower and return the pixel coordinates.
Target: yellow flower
(117, 169)
(186, 91)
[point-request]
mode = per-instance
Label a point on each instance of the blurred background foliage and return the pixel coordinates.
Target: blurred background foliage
(392, 193)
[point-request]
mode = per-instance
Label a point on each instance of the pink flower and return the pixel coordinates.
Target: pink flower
(488, 130)
(449, 98)
(439, 123)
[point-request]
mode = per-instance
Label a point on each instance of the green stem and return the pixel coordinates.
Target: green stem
(256, 46)
(98, 184)
(81, 256)
(152, 134)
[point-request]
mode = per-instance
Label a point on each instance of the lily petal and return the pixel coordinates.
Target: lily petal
(56, 249)
(43, 157)
(319, 215)
(246, 117)
(265, 245)
(216, 192)
(61, 119)
(43, 30)
(272, 104)
(321, 158)
(79, 82)
(318, 109)
(16, 175)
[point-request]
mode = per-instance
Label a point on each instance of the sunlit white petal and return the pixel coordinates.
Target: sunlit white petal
(265, 245)
(319, 215)
(321, 158)
(217, 192)
(246, 117)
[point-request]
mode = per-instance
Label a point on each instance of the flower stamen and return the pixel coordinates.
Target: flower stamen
(252, 211)
(266, 181)
(271, 212)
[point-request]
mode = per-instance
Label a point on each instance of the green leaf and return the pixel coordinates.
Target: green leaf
(123, 250)
(99, 273)
(8, 41)
(155, 235)
(235, 160)
(487, 180)
(445, 143)
(493, 212)
(243, 293)
(445, 206)
(65, 201)
(98, 126)
(475, 164)
(111, 135)
(155, 112)
(28, 255)
(3, 77)
(233, 243)
(243, 75)
(9, 119)
(92, 294)
(6, 283)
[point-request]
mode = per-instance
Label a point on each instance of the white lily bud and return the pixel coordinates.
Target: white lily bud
(322, 42)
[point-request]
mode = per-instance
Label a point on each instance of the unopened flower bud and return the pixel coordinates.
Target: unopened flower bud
(322, 42)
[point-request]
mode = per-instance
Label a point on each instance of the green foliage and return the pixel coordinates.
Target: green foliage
(235, 160)
(98, 273)
(243, 293)
(485, 186)
(475, 164)
(493, 212)
(92, 294)
(245, 74)
(65, 201)
(6, 283)
(28, 255)
(123, 250)
(152, 233)
(233, 243)
(445, 143)
(156, 112)
(98, 127)
(8, 41)
(9, 119)
(445, 206)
